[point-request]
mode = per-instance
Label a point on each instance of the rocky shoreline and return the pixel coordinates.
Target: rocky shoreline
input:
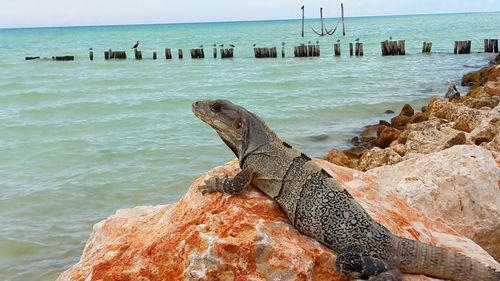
(472, 119)
(431, 175)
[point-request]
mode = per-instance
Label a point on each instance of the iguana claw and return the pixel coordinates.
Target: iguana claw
(210, 185)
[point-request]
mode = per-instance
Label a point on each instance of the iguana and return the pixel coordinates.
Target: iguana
(319, 207)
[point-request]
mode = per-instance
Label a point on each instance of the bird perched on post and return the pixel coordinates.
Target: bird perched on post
(201, 46)
(357, 39)
(136, 45)
(232, 46)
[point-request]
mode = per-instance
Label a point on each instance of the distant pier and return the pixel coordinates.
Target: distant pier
(388, 48)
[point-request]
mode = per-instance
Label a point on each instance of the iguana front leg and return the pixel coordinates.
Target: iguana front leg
(228, 185)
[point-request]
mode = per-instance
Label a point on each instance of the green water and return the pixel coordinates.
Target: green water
(80, 139)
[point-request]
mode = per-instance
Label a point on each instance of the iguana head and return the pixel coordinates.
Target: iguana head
(241, 130)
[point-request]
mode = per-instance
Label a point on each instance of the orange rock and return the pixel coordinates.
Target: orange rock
(418, 117)
(340, 158)
(399, 121)
(244, 237)
(492, 88)
(385, 136)
(407, 110)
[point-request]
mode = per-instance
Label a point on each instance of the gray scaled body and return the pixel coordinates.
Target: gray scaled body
(319, 207)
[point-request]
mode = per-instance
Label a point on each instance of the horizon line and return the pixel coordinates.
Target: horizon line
(234, 21)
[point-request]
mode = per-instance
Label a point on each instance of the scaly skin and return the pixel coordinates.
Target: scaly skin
(319, 207)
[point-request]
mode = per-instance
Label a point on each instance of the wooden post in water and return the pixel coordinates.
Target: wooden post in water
(401, 48)
(111, 56)
(91, 55)
(283, 50)
(138, 54)
(302, 20)
(426, 47)
(462, 47)
(181, 56)
(336, 48)
(487, 46)
(154, 55)
(215, 52)
(168, 54)
(63, 58)
(106, 55)
(197, 53)
(351, 49)
(120, 55)
(495, 45)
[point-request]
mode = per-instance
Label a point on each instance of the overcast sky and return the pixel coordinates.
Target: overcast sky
(31, 13)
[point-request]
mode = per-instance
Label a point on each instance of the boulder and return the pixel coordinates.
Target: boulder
(458, 186)
(492, 88)
(377, 157)
(341, 158)
(399, 121)
(407, 110)
(385, 136)
(464, 118)
(418, 117)
(490, 102)
(243, 237)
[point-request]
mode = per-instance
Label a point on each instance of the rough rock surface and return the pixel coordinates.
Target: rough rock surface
(471, 119)
(457, 186)
(244, 237)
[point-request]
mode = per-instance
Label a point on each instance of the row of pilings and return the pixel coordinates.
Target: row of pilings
(388, 48)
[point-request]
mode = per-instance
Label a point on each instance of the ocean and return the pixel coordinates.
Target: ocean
(80, 139)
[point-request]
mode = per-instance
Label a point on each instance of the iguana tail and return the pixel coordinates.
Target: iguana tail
(420, 258)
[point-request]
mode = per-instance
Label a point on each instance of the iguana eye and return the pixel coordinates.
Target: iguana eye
(216, 107)
(238, 123)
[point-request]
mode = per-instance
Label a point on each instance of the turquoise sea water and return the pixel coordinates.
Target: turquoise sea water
(80, 139)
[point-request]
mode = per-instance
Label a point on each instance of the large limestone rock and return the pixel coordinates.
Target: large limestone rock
(458, 186)
(244, 237)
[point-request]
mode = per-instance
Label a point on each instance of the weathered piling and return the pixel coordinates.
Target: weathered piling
(226, 53)
(138, 54)
(306, 51)
(168, 54)
(197, 53)
(491, 45)
(180, 53)
(120, 55)
(115, 55)
(401, 47)
(265, 52)
(426, 47)
(393, 48)
(283, 51)
(63, 58)
(351, 49)
(462, 47)
(336, 48)
(154, 55)
(91, 55)
(215, 52)
(31, 58)
(358, 49)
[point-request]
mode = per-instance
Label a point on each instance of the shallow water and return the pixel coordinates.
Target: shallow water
(80, 139)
